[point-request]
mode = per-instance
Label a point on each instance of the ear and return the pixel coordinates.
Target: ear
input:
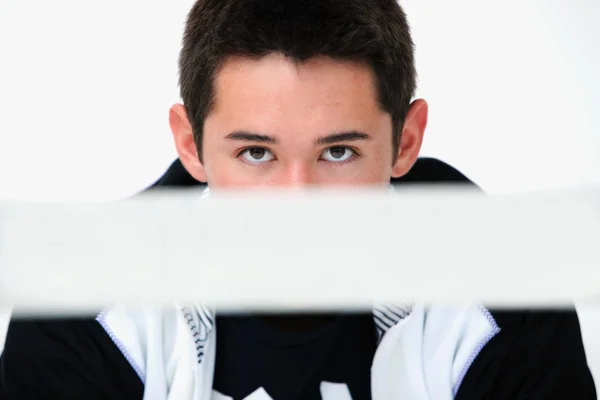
(184, 142)
(412, 138)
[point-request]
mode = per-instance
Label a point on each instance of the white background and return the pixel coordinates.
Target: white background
(85, 87)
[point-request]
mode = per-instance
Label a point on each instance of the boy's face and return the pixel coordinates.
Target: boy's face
(314, 123)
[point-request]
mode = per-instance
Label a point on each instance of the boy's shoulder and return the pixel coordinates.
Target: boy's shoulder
(538, 354)
(64, 358)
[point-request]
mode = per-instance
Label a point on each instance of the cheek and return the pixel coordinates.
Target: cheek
(225, 171)
(227, 182)
(373, 171)
(226, 174)
(231, 176)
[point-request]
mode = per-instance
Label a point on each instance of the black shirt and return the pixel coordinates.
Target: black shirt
(252, 355)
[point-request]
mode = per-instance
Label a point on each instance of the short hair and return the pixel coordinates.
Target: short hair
(372, 32)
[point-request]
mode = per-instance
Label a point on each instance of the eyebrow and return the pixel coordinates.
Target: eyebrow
(342, 137)
(329, 139)
(251, 137)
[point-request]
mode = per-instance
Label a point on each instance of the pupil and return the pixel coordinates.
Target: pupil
(257, 153)
(337, 152)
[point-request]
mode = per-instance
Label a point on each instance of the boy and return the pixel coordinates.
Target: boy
(299, 93)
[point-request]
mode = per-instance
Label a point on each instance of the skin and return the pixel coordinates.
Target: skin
(286, 124)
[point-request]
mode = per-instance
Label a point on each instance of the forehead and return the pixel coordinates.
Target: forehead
(274, 94)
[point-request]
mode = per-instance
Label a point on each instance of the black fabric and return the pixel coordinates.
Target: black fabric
(537, 355)
(64, 359)
(292, 366)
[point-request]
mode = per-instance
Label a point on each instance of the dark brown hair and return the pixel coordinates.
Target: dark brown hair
(374, 32)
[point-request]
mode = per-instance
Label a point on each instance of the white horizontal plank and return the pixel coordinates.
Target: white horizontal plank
(288, 252)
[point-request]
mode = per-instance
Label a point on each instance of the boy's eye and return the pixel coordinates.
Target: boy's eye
(257, 155)
(337, 154)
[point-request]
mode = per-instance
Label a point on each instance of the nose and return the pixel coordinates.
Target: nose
(296, 176)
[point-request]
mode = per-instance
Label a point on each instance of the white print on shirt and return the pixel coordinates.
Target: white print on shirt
(329, 391)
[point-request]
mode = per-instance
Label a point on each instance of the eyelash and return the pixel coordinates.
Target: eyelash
(242, 151)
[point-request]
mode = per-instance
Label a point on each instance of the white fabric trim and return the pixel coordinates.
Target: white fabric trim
(423, 356)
